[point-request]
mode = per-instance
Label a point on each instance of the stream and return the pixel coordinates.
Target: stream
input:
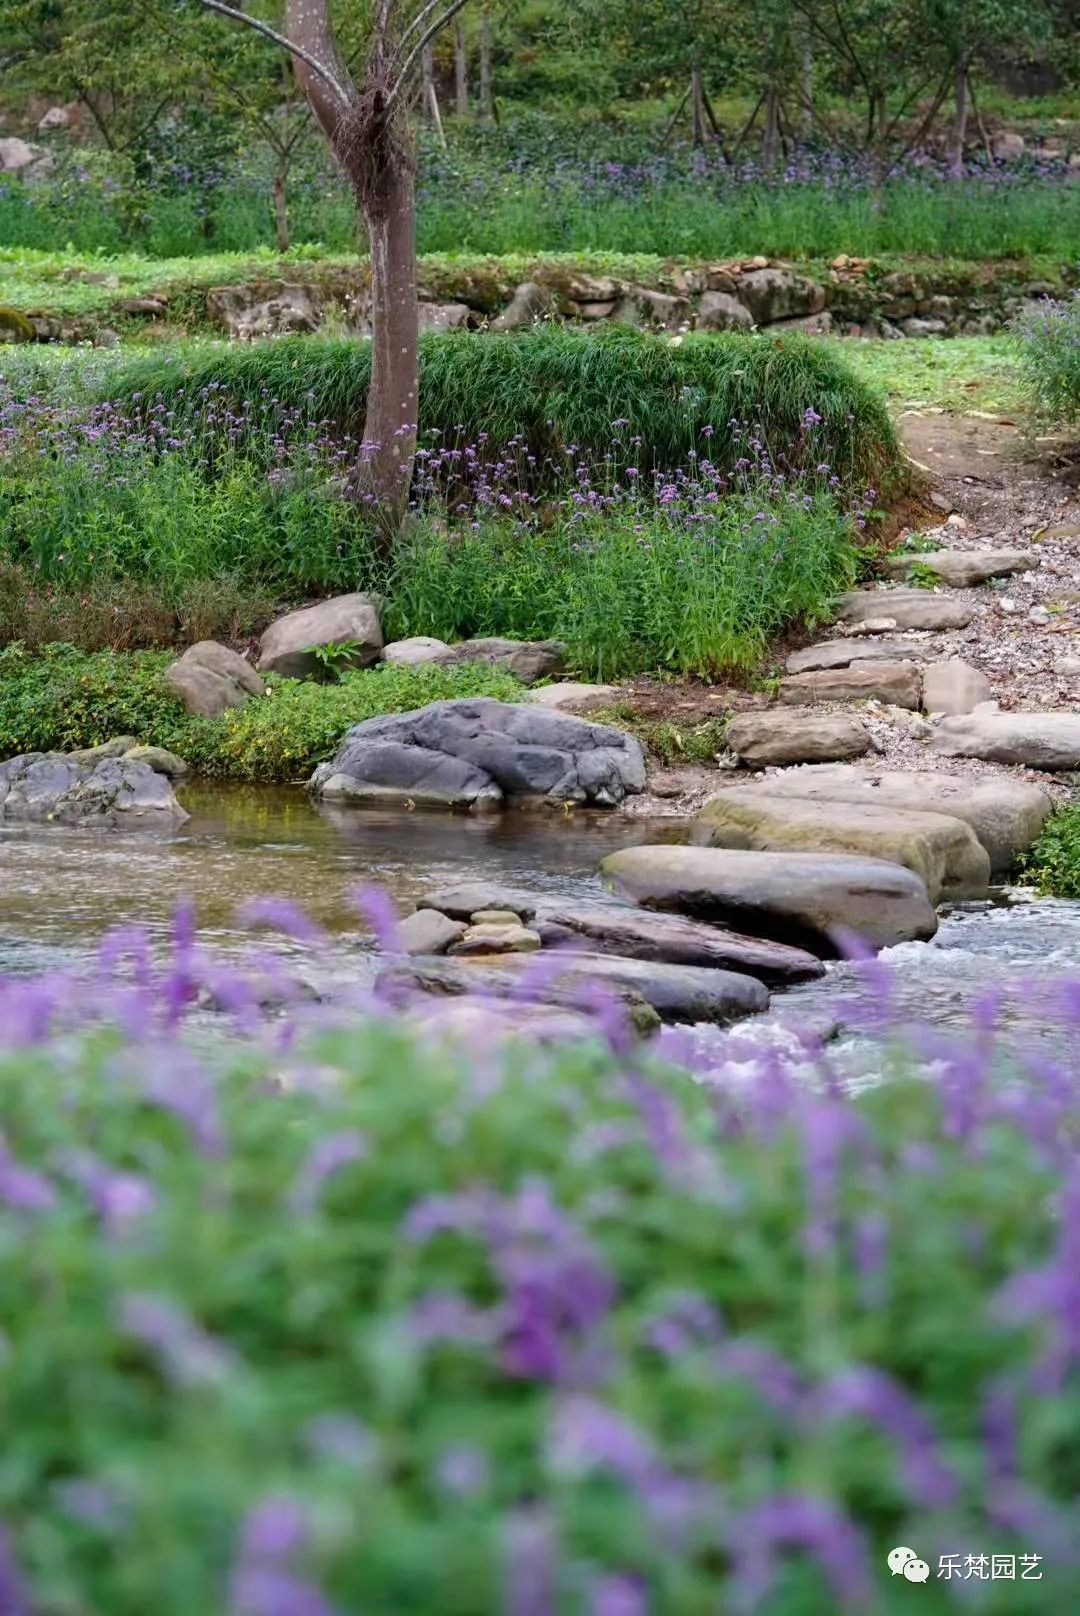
(61, 889)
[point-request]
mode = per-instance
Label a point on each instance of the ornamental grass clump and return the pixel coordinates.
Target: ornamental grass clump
(1048, 342)
(329, 1313)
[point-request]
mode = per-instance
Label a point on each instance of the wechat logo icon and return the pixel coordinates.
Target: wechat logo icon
(906, 1563)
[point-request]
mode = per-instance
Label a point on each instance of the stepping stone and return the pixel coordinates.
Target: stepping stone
(905, 608)
(959, 569)
(669, 939)
(954, 687)
(776, 736)
(840, 653)
(496, 939)
(1005, 814)
(802, 898)
(1036, 740)
(897, 683)
(674, 992)
(942, 851)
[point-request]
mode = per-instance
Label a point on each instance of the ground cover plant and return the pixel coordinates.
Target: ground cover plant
(62, 699)
(547, 1330)
(1052, 865)
(625, 197)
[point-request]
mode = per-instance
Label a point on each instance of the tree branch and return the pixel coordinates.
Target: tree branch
(421, 44)
(286, 44)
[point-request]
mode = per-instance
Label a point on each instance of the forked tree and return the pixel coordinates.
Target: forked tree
(363, 111)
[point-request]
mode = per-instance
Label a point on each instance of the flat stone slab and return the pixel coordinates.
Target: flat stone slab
(500, 978)
(479, 754)
(416, 650)
(676, 992)
(804, 898)
(1005, 814)
(1035, 740)
(468, 898)
(897, 683)
(841, 653)
(527, 660)
(953, 686)
(960, 569)
(572, 694)
(905, 608)
(669, 939)
(787, 736)
(109, 793)
(942, 851)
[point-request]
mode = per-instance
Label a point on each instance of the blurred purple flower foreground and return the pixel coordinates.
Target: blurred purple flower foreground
(311, 1309)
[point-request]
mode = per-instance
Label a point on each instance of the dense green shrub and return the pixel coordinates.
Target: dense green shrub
(697, 584)
(1048, 339)
(552, 386)
(63, 699)
(1053, 863)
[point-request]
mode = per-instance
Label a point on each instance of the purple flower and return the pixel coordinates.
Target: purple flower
(326, 1158)
(870, 1394)
(187, 1354)
(797, 1521)
(531, 1564)
(21, 1188)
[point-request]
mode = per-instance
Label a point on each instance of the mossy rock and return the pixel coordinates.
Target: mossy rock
(14, 326)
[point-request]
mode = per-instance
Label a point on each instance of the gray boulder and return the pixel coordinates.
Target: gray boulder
(897, 683)
(471, 898)
(19, 156)
(450, 978)
(660, 310)
(960, 569)
(210, 678)
(345, 619)
(905, 608)
(570, 693)
(780, 736)
(481, 753)
(720, 311)
(527, 660)
(803, 898)
(426, 931)
(418, 649)
(160, 759)
(110, 793)
(1005, 814)
(842, 653)
(942, 851)
(1036, 740)
(446, 317)
(118, 746)
(778, 294)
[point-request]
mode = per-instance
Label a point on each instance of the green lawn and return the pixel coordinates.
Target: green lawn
(969, 375)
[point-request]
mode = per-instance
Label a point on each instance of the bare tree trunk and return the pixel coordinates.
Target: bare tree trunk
(771, 142)
(430, 94)
(281, 207)
(487, 102)
(959, 124)
(394, 391)
(807, 87)
(697, 106)
(461, 71)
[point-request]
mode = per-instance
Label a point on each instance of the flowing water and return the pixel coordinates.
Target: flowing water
(61, 889)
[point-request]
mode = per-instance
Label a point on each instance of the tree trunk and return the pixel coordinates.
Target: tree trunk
(430, 94)
(697, 107)
(461, 70)
(959, 125)
(771, 142)
(389, 447)
(281, 208)
(807, 75)
(487, 103)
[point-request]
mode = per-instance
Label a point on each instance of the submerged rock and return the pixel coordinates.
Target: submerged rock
(112, 793)
(803, 898)
(482, 753)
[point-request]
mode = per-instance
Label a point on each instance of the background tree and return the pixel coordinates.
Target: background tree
(363, 112)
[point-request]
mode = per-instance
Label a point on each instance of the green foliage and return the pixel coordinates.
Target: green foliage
(671, 743)
(552, 386)
(630, 589)
(62, 699)
(1048, 342)
(1052, 865)
(961, 375)
(334, 657)
(313, 1280)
